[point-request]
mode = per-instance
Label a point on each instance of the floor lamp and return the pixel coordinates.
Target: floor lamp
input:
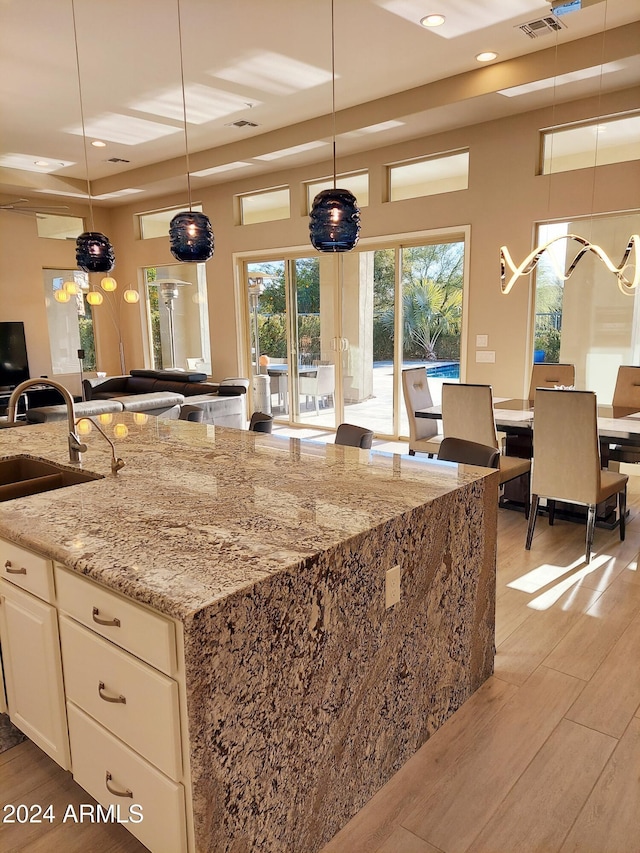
(169, 293)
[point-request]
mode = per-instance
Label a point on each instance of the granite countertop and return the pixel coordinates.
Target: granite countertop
(200, 512)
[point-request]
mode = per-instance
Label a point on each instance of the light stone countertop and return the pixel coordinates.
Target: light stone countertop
(200, 512)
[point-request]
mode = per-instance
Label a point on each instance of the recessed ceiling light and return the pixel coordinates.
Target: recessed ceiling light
(98, 143)
(41, 162)
(487, 56)
(432, 20)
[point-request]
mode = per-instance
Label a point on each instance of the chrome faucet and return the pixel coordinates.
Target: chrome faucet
(116, 462)
(76, 447)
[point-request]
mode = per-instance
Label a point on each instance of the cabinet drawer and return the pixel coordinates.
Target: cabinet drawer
(114, 775)
(27, 570)
(134, 701)
(143, 633)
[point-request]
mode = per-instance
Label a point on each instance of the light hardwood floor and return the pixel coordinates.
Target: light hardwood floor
(544, 757)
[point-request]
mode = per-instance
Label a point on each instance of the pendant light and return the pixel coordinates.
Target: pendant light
(94, 252)
(334, 221)
(625, 284)
(190, 232)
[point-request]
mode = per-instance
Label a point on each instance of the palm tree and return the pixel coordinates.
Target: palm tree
(428, 311)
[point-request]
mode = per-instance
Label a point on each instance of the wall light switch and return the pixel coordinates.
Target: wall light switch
(392, 587)
(485, 356)
(482, 340)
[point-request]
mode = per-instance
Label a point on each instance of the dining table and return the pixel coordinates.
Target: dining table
(281, 373)
(617, 426)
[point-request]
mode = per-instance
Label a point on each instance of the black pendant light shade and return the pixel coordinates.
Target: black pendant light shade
(191, 236)
(334, 221)
(94, 252)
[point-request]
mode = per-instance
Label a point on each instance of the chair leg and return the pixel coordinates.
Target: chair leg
(412, 453)
(551, 506)
(527, 499)
(533, 512)
(591, 525)
(622, 512)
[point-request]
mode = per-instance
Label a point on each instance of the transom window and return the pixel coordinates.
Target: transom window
(596, 143)
(156, 223)
(441, 173)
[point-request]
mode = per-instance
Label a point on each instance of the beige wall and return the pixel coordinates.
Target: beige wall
(504, 201)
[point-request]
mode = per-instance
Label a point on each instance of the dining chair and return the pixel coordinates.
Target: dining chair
(423, 432)
(566, 466)
(354, 436)
(550, 375)
(261, 422)
(627, 390)
(467, 413)
(626, 395)
(469, 453)
(320, 385)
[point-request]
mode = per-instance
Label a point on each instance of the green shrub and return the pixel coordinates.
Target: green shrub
(549, 341)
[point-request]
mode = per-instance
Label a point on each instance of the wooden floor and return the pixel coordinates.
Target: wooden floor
(544, 757)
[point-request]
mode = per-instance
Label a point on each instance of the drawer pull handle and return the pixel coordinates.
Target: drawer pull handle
(115, 623)
(121, 699)
(115, 791)
(10, 571)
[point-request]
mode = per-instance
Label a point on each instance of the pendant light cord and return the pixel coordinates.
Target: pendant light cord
(184, 107)
(333, 90)
(84, 135)
(595, 154)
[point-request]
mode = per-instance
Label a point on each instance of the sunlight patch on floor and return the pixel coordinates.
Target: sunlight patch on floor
(543, 575)
(550, 597)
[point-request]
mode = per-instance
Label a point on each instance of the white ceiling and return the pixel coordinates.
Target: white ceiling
(269, 62)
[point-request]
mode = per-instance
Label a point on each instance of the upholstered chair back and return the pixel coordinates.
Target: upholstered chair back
(551, 375)
(467, 412)
(415, 388)
(354, 436)
(469, 453)
(566, 452)
(627, 390)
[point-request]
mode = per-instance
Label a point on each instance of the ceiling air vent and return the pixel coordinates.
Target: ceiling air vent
(241, 123)
(117, 160)
(541, 26)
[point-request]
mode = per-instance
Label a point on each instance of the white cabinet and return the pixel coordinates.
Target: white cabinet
(131, 699)
(121, 673)
(32, 670)
(97, 681)
(117, 776)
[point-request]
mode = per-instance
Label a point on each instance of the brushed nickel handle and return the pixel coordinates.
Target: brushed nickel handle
(121, 699)
(10, 571)
(115, 791)
(115, 622)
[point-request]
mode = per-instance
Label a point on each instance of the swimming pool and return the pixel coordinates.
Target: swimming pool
(450, 370)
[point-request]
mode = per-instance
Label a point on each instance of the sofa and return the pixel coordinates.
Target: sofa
(155, 392)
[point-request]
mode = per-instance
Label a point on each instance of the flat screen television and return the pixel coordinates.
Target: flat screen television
(14, 367)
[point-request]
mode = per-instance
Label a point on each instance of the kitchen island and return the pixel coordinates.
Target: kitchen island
(303, 692)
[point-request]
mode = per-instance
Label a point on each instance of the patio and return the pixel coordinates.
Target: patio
(376, 412)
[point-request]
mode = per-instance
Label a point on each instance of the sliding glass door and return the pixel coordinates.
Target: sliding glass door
(333, 332)
(292, 339)
(401, 307)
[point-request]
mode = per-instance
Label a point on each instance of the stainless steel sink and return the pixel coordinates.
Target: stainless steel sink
(21, 476)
